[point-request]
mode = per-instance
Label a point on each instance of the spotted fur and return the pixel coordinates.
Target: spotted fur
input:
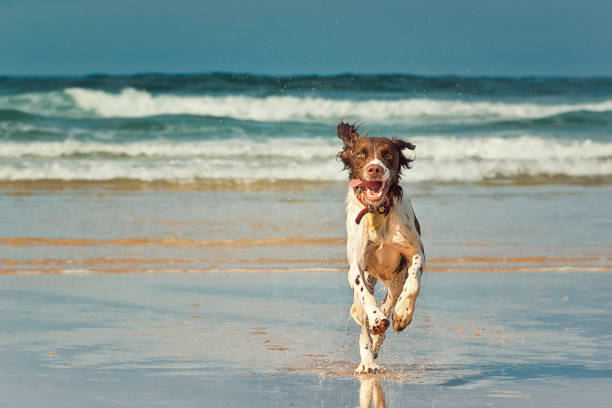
(381, 247)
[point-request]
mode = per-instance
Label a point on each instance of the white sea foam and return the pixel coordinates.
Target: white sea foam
(442, 159)
(300, 148)
(241, 149)
(132, 103)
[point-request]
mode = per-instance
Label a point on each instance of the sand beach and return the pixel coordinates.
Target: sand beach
(235, 297)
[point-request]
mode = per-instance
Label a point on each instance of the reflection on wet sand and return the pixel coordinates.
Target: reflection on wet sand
(201, 263)
(172, 242)
(201, 184)
(371, 390)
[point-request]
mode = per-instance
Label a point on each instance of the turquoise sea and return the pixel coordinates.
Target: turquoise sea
(244, 128)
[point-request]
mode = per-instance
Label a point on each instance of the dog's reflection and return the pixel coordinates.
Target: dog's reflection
(371, 390)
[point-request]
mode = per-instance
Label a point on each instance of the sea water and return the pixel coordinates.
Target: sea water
(241, 128)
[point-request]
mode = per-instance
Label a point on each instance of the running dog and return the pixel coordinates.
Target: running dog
(383, 238)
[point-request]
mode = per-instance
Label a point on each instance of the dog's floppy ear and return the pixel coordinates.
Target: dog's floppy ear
(401, 145)
(348, 133)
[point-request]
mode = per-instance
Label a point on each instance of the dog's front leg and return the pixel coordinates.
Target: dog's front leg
(367, 364)
(404, 308)
(376, 319)
(364, 310)
(373, 321)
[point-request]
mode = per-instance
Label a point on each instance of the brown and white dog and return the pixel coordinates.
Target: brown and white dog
(383, 240)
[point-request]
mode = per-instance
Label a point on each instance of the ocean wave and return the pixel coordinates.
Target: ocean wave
(14, 114)
(545, 171)
(520, 148)
(133, 103)
(240, 149)
(439, 159)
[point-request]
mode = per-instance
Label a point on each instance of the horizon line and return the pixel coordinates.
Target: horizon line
(304, 75)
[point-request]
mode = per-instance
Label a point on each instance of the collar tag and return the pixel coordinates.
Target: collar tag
(369, 209)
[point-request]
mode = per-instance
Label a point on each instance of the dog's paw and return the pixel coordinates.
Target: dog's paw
(402, 316)
(379, 325)
(368, 368)
(401, 321)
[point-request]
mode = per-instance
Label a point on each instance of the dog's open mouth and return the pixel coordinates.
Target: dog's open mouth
(373, 191)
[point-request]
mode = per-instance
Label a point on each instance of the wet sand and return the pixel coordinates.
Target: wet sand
(127, 297)
(465, 228)
(286, 339)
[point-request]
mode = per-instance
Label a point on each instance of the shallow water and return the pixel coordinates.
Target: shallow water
(465, 228)
(286, 339)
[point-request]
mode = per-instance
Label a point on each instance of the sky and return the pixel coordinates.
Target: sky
(285, 37)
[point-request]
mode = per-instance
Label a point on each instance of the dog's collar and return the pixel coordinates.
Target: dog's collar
(382, 209)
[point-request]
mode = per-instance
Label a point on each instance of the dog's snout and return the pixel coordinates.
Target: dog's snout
(374, 170)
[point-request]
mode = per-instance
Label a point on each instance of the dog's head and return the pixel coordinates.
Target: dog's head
(376, 161)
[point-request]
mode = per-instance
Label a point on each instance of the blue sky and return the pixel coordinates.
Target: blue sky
(569, 38)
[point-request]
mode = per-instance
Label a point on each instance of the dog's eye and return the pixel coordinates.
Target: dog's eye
(361, 155)
(388, 156)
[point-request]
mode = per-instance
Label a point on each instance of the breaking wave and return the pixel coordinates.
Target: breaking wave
(439, 159)
(133, 103)
(222, 127)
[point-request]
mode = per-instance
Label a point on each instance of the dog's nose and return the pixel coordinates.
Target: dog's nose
(374, 170)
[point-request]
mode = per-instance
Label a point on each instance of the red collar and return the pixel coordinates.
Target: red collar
(379, 209)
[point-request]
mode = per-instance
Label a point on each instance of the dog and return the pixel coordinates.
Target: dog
(383, 238)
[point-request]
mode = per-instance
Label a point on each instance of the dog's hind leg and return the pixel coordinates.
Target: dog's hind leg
(410, 291)
(394, 290)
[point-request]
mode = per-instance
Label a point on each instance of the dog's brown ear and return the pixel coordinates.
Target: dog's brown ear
(348, 133)
(401, 145)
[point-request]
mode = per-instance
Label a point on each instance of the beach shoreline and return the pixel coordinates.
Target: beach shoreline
(134, 297)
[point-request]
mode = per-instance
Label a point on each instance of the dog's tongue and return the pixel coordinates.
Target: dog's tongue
(370, 185)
